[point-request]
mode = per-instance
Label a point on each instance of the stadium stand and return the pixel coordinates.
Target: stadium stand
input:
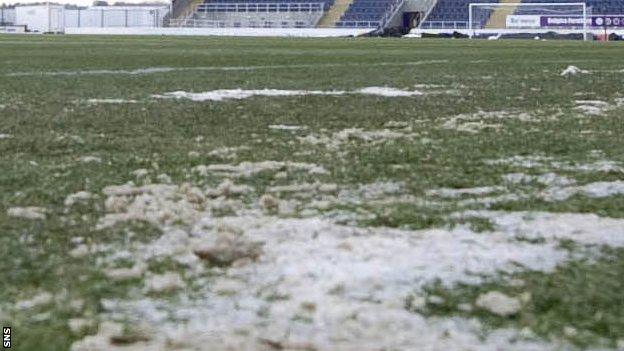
(454, 13)
(332, 13)
(368, 13)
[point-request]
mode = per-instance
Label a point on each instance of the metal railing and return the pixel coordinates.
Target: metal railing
(358, 24)
(206, 23)
(260, 7)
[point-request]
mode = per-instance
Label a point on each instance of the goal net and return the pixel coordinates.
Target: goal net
(497, 19)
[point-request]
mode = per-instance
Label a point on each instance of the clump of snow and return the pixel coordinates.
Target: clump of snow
(154, 203)
(90, 159)
(166, 282)
(498, 303)
(110, 101)
(592, 107)
(121, 274)
(5, 136)
(573, 71)
(226, 152)
(30, 212)
(140, 173)
(388, 92)
(40, 299)
(80, 196)
(286, 127)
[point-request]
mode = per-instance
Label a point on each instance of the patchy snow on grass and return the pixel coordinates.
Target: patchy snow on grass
(548, 179)
(327, 286)
(592, 107)
(586, 229)
(593, 190)
(247, 169)
(226, 152)
(548, 162)
(229, 94)
(475, 122)
(455, 193)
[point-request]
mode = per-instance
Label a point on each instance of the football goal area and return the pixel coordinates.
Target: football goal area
(514, 18)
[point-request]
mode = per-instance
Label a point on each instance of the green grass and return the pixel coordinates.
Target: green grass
(40, 164)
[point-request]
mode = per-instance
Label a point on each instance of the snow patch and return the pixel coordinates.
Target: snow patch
(388, 92)
(110, 101)
(30, 212)
(228, 94)
(350, 283)
(573, 71)
(286, 127)
(475, 122)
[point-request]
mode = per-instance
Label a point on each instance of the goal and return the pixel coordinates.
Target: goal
(497, 19)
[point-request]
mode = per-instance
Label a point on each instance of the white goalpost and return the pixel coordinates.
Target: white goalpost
(528, 18)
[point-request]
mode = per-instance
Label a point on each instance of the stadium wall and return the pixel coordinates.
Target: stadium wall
(235, 32)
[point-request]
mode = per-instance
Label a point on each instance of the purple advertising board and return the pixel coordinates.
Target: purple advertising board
(577, 21)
